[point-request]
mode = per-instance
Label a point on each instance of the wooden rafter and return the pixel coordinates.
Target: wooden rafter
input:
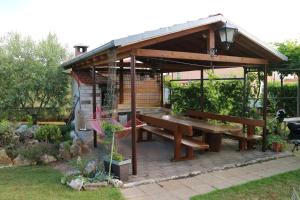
(198, 56)
(162, 38)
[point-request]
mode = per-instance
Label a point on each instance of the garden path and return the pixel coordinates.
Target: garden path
(204, 183)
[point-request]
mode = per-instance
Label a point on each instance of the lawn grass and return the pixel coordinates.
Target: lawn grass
(278, 187)
(43, 183)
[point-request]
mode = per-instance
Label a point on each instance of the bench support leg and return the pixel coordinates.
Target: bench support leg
(242, 145)
(140, 137)
(189, 153)
(149, 136)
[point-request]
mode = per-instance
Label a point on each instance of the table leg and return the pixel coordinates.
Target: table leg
(177, 146)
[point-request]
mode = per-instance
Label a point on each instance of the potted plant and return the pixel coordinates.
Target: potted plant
(112, 130)
(115, 163)
(275, 142)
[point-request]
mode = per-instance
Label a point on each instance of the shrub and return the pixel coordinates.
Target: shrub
(65, 132)
(11, 151)
(7, 134)
(34, 152)
(67, 145)
(289, 99)
(224, 97)
(49, 133)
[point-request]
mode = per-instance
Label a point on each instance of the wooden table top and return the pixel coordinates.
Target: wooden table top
(195, 123)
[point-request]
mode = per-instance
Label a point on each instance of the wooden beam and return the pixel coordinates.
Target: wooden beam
(210, 40)
(264, 141)
(198, 56)
(202, 91)
(133, 116)
(161, 89)
(121, 80)
(104, 61)
(163, 38)
(94, 104)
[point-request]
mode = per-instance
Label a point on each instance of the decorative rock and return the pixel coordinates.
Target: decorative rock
(73, 135)
(32, 142)
(4, 158)
(23, 128)
(45, 159)
(19, 161)
(90, 167)
(116, 182)
(76, 184)
(75, 149)
(25, 132)
(84, 148)
(63, 152)
(95, 186)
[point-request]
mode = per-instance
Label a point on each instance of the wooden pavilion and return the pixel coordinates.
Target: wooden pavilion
(194, 45)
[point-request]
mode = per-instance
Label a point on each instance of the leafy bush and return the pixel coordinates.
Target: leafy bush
(67, 145)
(109, 128)
(222, 97)
(65, 132)
(34, 152)
(7, 134)
(273, 138)
(117, 156)
(287, 100)
(11, 151)
(49, 133)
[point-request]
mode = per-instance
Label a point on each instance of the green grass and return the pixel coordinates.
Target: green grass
(271, 188)
(43, 183)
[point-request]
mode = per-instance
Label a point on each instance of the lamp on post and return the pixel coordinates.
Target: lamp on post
(228, 33)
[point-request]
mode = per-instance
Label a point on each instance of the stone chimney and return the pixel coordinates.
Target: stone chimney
(80, 49)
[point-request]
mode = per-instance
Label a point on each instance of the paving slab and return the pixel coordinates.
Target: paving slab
(181, 189)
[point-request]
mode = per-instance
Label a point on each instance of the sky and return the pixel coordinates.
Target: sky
(95, 22)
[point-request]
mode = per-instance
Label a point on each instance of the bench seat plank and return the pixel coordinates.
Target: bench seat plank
(190, 142)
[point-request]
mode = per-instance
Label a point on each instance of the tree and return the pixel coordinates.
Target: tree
(31, 78)
(291, 49)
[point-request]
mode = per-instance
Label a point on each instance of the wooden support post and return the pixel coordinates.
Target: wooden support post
(264, 140)
(245, 92)
(298, 95)
(121, 80)
(133, 115)
(210, 41)
(94, 104)
(161, 89)
(202, 91)
(245, 99)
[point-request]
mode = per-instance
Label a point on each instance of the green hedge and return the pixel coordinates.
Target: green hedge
(288, 100)
(224, 97)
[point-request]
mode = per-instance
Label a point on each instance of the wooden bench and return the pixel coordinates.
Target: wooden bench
(181, 134)
(247, 139)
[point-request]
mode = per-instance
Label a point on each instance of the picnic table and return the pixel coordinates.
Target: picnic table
(211, 134)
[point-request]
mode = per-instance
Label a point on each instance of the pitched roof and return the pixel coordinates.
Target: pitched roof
(121, 42)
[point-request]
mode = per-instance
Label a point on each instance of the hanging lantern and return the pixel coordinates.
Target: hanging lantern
(228, 33)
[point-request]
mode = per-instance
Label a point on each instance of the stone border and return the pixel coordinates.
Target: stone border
(6, 166)
(195, 173)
